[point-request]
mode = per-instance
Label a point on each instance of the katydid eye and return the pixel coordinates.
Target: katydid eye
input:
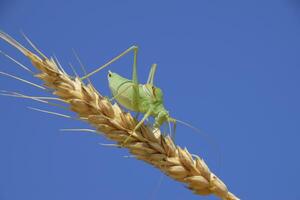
(109, 75)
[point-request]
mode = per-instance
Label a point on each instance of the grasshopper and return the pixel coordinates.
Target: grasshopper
(137, 97)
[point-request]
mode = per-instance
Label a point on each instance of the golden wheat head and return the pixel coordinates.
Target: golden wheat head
(145, 144)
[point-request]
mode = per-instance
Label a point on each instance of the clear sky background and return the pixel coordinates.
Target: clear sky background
(231, 68)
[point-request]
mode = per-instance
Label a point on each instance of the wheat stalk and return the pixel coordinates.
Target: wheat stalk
(145, 144)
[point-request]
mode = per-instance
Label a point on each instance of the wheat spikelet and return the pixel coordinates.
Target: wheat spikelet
(145, 144)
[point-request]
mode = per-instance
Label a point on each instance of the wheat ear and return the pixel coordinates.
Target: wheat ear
(145, 144)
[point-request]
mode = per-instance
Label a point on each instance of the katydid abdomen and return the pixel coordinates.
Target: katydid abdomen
(122, 92)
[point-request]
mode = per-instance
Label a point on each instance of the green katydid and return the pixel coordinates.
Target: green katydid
(140, 98)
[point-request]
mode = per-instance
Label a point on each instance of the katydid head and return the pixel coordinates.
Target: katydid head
(115, 80)
(110, 74)
(110, 78)
(161, 117)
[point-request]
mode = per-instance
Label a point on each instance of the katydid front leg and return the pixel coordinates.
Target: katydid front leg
(147, 114)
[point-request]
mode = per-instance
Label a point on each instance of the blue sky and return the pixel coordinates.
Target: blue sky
(230, 67)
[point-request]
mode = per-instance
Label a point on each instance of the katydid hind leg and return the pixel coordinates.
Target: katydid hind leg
(152, 74)
(135, 95)
(120, 93)
(132, 48)
(134, 72)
